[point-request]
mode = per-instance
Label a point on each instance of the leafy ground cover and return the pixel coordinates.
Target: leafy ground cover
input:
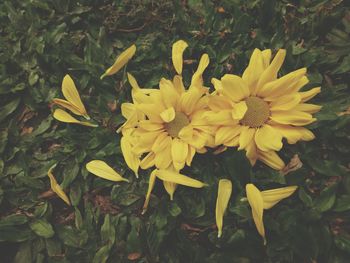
(42, 41)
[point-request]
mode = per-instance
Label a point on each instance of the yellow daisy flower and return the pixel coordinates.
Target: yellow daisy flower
(165, 127)
(257, 110)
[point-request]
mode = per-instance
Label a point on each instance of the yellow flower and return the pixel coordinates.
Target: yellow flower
(56, 187)
(121, 61)
(73, 101)
(260, 200)
(165, 127)
(103, 170)
(224, 194)
(170, 179)
(257, 110)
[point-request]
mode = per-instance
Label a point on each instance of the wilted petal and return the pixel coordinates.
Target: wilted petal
(120, 62)
(56, 187)
(224, 194)
(103, 170)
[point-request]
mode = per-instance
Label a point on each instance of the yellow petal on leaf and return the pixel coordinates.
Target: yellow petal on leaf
(151, 182)
(234, 87)
(63, 116)
(224, 194)
(168, 115)
(268, 139)
(271, 159)
(121, 61)
(130, 157)
(67, 105)
(272, 197)
(177, 55)
(197, 79)
(257, 204)
(239, 110)
(56, 187)
(103, 170)
(174, 177)
(71, 94)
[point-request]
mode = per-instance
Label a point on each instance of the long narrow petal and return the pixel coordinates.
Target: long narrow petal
(292, 117)
(308, 95)
(130, 158)
(294, 134)
(71, 94)
(169, 94)
(56, 187)
(174, 177)
(179, 151)
(257, 204)
(67, 105)
(177, 55)
(253, 71)
(286, 102)
(234, 87)
(63, 116)
(268, 139)
(271, 159)
(151, 182)
(308, 108)
(197, 79)
(224, 194)
(272, 197)
(103, 170)
(121, 61)
(170, 187)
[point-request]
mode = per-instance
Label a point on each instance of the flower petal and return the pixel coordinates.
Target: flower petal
(246, 136)
(103, 170)
(253, 71)
(224, 194)
(169, 94)
(272, 197)
(294, 134)
(234, 87)
(71, 94)
(177, 55)
(130, 157)
(121, 61)
(174, 177)
(308, 95)
(170, 188)
(56, 187)
(268, 139)
(286, 102)
(67, 105)
(292, 117)
(151, 182)
(271, 159)
(239, 110)
(63, 116)
(308, 108)
(226, 133)
(179, 151)
(168, 115)
(257, 204)
(197, 80)
(148, 161)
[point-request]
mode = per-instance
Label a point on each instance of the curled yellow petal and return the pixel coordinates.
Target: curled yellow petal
(272, 197)
(197, 79)
(63, 116)
(224, 194)
(71, 93)
(174, 177)
(177, 55)
(151, 182)
(257, 204)
(103, 170)
(120, 62)
(56, 187)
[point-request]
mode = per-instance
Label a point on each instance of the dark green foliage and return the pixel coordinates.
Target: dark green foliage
(41, 41)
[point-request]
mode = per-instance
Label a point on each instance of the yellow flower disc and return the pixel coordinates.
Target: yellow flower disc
(174, 127)
(257, 113)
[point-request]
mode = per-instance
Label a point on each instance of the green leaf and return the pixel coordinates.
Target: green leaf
(342, 204)
(326, 199)
(42, 228)
(8, 108)
(13, 220)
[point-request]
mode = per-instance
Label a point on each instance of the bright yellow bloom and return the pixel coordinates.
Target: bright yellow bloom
(121, 61)
(56, 187)
(103, 170)
(260, 200)
(63, 116)
(73, 101)
(257, 110)
(224, 194)
(165, 127)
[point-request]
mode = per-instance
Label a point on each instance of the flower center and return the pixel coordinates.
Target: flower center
(257, 113)
(173, 128)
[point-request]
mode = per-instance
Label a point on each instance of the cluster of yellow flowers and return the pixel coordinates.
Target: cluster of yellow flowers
(166, 127)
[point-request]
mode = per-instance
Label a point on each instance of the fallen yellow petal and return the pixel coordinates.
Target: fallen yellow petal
(224, 194)
(174, 177)
(67, 105)
(71, 94)
(56, 187)
(103, 170)
(272, 197)
(177, 55)
(120, 62)
(63, 116)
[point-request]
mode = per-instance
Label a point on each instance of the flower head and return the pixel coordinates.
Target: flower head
(257, 110)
